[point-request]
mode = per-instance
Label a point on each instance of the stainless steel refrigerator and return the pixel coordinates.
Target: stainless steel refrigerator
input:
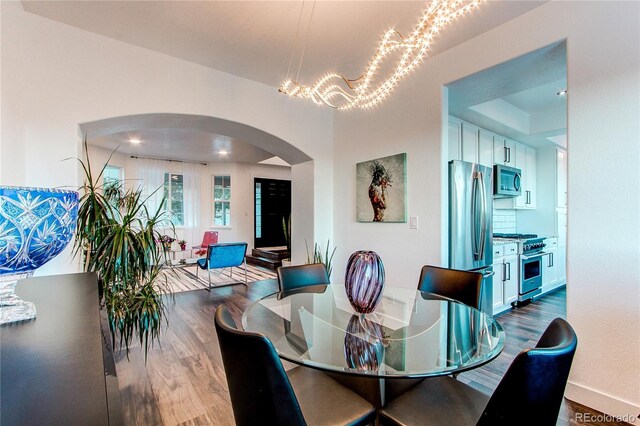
(470, 223)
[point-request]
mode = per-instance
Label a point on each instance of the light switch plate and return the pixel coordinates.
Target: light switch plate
(413, 222)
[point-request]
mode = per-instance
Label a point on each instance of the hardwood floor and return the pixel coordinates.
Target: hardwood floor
(183, 381)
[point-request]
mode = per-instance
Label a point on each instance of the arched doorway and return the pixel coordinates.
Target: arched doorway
(220, 149)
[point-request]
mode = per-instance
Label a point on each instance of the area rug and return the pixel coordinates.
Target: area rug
(184, 278)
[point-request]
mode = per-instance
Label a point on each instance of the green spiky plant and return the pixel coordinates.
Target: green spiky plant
(286, 229)
(319, 257)
(117, 236)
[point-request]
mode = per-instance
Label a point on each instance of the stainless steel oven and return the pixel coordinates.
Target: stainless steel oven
(530, 255)
(530, 276)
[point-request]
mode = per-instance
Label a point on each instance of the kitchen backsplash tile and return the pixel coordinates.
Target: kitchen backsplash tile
(504, 221)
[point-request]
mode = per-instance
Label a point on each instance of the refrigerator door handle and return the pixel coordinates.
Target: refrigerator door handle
(474, 220)
(479, 208)
(483, 216)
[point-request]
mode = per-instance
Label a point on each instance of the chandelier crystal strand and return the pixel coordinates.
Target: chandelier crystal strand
(339, 92)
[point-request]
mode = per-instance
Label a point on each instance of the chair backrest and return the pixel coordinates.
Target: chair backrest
(210, 237)
(259, 387)
(292, 277)
(225, 255)
(463, 286)
(531, 391)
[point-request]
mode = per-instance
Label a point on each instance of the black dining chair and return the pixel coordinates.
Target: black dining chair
(293, 277)
(263, 393)
(530, 392)
(463, 286)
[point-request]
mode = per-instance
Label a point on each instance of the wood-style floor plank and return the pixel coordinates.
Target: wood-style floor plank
(141, 407)
(183, 382)
(177, 398)
(214, 394)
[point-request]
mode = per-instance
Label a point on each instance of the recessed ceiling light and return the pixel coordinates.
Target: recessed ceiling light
(562, 92)
(223, 152)
(134, 141)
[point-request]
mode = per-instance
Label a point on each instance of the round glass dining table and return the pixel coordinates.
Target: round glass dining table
(411, 334)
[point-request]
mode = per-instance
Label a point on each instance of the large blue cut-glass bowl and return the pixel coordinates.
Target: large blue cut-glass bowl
(36, 224)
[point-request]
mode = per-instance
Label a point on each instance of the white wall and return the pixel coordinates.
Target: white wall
(603, 41)
(55, 76)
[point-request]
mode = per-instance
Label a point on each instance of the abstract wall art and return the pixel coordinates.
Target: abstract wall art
(381, 189)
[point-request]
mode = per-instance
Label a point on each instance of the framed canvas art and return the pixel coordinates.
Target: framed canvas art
(381, 189)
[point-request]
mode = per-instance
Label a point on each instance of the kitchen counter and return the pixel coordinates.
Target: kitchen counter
(503, 241)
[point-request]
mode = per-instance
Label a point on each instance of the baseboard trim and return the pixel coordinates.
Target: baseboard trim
(604, 403)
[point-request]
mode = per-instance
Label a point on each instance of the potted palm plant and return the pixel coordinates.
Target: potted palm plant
(117, 237)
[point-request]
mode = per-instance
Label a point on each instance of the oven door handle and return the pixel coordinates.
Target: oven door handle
(533, 256)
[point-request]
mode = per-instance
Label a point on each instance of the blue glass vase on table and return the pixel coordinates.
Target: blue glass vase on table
(36, 224)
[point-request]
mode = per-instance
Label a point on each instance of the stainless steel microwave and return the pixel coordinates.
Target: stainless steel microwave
(507, 181)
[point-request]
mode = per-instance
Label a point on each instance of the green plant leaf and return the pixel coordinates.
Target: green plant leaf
(319, 257)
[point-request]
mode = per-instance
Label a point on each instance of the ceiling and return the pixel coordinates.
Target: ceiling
(519, 98)
(257, 40)
(183, 145)
(193, 138)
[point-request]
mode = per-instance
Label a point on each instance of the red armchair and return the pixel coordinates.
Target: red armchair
(210, 237)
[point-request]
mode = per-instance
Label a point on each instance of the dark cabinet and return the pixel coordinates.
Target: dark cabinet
(58, 368)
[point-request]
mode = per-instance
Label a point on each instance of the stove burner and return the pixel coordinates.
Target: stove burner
(516, 236)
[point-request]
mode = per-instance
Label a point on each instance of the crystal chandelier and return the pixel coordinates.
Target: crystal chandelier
(367, 91)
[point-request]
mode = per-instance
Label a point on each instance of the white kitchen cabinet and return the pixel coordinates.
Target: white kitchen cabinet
(554, 265)
(505, 279)
(561, 225)
(549, 270)
(531, 176)
(510, 282)
(504, 151)
(485, 148)
(561, 177)
(560, 262)
(455, 139)
(498, 287)
(524, 158)
(468, 142)
(498, 254)
(521, 163)
(560, 258)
